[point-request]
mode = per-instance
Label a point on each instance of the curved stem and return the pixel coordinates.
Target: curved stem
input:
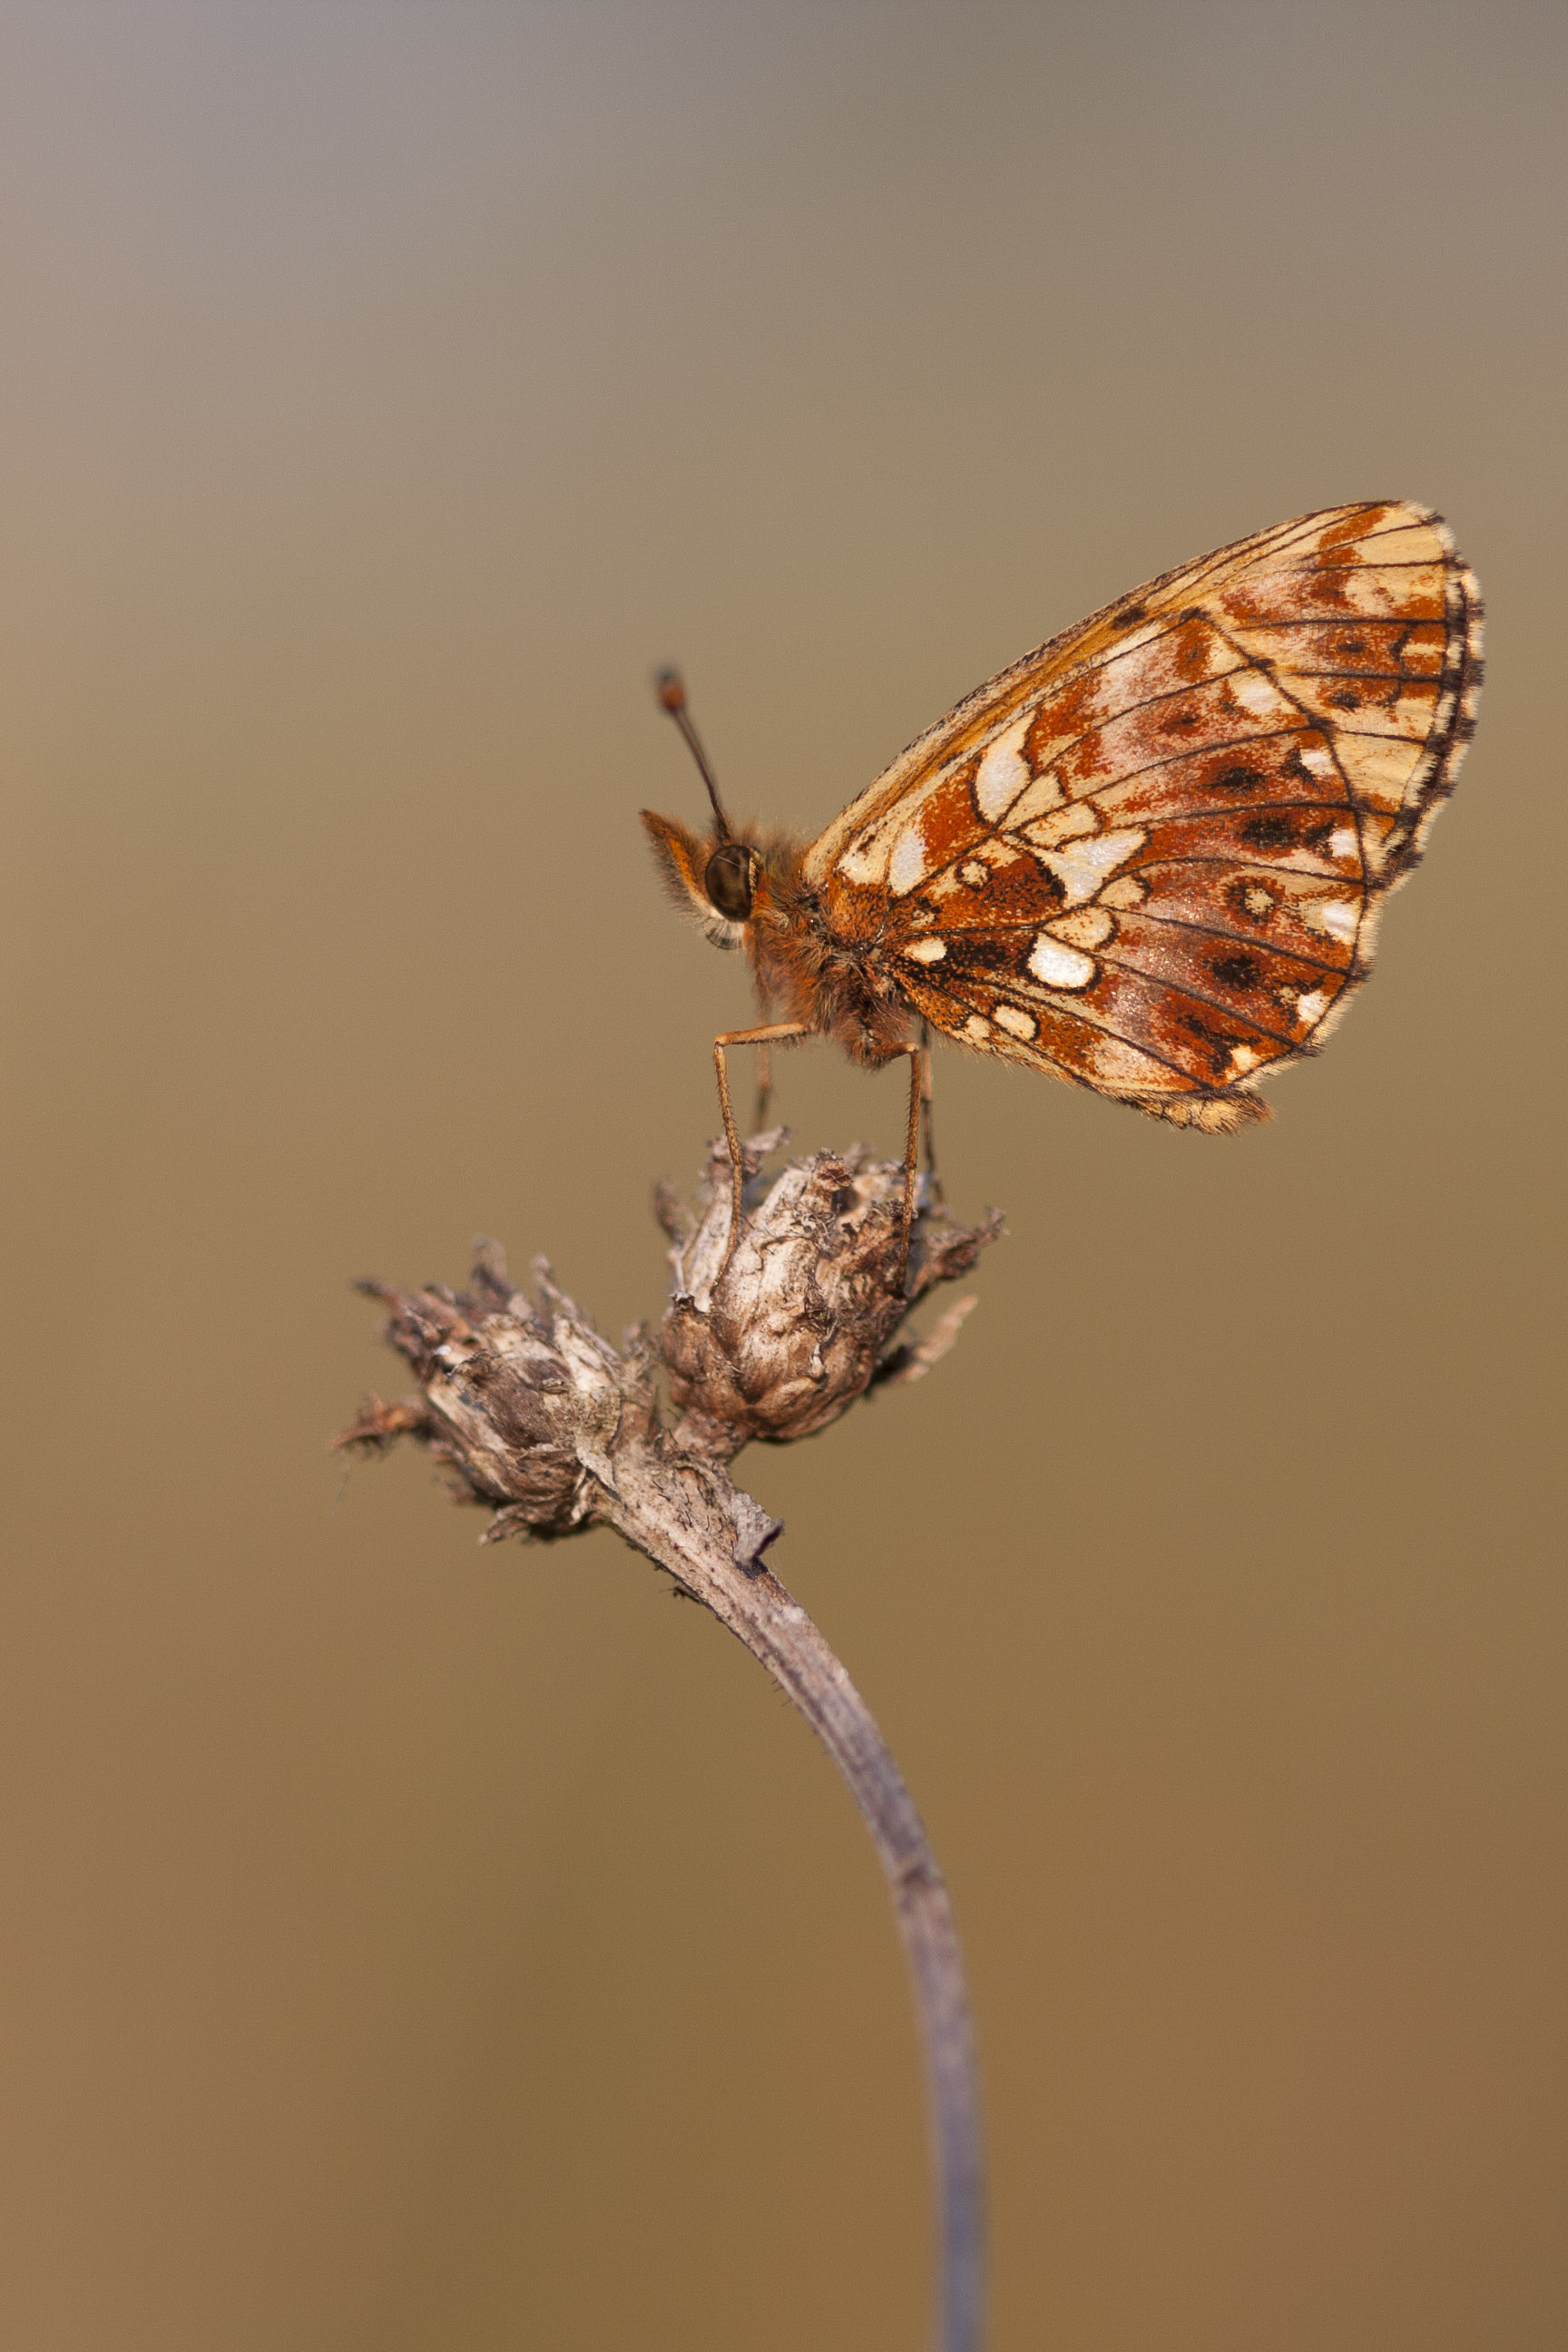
(651, 1512)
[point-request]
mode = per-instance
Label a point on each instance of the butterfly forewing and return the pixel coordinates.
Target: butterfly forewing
(1150, 857)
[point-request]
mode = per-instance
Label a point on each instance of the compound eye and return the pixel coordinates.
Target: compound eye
(728, 881)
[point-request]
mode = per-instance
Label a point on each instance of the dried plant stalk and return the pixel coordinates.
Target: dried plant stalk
(539, 1417)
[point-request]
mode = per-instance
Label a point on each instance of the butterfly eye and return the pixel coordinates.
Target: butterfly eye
(729, 880)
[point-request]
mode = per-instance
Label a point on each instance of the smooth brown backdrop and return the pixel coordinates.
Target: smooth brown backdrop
(406, 1946)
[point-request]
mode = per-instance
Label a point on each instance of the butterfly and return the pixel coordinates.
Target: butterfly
(1150, 858)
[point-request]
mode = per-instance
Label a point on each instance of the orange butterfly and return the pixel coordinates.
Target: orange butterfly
(1150, 857)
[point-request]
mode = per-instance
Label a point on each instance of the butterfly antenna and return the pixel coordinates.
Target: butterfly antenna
(671, 688)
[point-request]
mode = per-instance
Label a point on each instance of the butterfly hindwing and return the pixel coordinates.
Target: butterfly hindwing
(1150, 855)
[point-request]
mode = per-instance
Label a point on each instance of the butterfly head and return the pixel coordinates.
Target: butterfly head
(718, 878)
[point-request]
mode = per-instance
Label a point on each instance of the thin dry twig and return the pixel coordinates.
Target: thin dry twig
(536, 1414)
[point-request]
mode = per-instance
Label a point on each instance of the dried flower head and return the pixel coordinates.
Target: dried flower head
(518, 1397)
(780, 1340)
(536, 1414)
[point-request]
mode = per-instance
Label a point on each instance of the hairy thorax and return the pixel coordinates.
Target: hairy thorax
(804, 972)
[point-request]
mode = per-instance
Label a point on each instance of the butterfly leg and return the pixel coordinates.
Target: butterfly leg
(926, 1109)
(920, 1083)
(764, 1037)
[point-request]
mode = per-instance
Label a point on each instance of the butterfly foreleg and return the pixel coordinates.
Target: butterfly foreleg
(764, 1037)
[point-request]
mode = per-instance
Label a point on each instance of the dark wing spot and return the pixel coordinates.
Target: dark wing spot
(1344, 699)
(1128, 614)
(1272, 830)
(1350, 645)
(1180, 720)
(1238, 780)
(1193, 612)
(1238, 970)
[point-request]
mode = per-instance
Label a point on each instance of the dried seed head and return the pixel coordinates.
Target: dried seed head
(518, 1399)
(536, 1415)
(782, 1339)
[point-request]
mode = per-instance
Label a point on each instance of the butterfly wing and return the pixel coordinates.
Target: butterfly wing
(1150, 857)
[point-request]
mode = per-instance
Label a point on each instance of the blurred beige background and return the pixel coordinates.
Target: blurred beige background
(407, 1946)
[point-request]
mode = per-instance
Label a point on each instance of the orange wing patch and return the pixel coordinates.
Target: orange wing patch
(1150, 857)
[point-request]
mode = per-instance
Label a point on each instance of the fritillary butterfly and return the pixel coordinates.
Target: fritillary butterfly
(1150, 857)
